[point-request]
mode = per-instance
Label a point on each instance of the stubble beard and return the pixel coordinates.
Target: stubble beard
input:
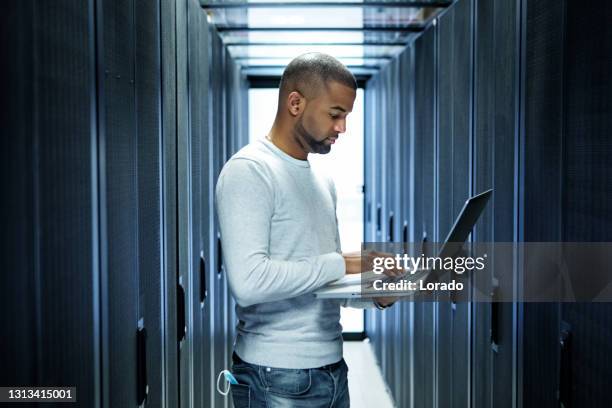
(307, 141)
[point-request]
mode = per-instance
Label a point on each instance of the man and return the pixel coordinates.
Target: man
(280, 238)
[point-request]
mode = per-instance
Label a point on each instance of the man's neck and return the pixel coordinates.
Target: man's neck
(282, 141)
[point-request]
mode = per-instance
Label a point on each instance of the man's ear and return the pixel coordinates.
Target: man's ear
(295, 103)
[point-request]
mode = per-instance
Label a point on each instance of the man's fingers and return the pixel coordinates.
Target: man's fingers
(388, 259)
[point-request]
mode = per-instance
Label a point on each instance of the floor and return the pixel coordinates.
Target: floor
(366, 385)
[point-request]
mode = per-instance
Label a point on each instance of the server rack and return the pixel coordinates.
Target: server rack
(112, 127)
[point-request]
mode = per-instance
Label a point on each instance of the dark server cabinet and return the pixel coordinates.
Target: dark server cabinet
(587, 197)
(383, 146)
(393, 222)
(395, 219)
(369, 158)
(386, 163)
(380, 209)
(205, 86)
(566, 193)
(218, 134)
(49, 234)
(370, 146)
(540, 143)
(202, 194)
(119, 202)
(405, 395)
(496, 92)
(424, 376)
(130, 190)
(171, 321)
(109, 236)
(214, 100)
(238, 111)
(373, 317)
(454, 172)
(195, 165)
(186, 330)
(148, 160)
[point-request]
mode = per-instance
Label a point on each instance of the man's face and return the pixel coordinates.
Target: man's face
(324, 118)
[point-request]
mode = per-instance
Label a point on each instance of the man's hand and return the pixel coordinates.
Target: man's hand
(356, 263)
(352, 260)
(386, 301)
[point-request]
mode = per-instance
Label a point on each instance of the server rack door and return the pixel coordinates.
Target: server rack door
(211, 233)
(373, 316)
(49, 229)
(230, 142)
(387, 205)
(214, 135)
(234, 118)
(380, 209)
(424, 316)
(369, 160)
(395, 218)
(397, 177)
(238, 137)
(119, 203)
(462, 158)
(496, 128)
(406, 340)
(484, 158)
(201, 50)
(185, 208)
(235, 141)
(197, 80)
(371, 183)
(540, 142)
(446, 208)
(148, 114)
(219, 135)
(169, 175)
(587, 194)
(454, 149)
(18, 176)
(453, 181)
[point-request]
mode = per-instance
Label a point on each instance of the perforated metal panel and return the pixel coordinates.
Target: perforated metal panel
(168, 54)
(62, 191)
(424, 320)
(587, 189)
(148, 114)
(119, 206)
(48, 221)
(17, 233)
(542, 152)
(453, 180)
(496, 131)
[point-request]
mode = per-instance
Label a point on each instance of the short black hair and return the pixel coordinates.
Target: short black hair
(309, 72)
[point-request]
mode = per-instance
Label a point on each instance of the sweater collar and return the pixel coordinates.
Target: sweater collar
(283, 155)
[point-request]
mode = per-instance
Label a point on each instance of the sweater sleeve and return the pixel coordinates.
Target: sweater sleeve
(245, 206)
(365, 303)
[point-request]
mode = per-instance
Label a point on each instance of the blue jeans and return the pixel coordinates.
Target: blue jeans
(270, 387)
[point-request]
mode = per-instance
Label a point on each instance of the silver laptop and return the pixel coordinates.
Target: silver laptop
(350, 286)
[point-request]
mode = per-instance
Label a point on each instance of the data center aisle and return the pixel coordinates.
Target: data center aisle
(366, 385)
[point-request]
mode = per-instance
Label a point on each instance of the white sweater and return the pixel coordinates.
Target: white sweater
(280, 243)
